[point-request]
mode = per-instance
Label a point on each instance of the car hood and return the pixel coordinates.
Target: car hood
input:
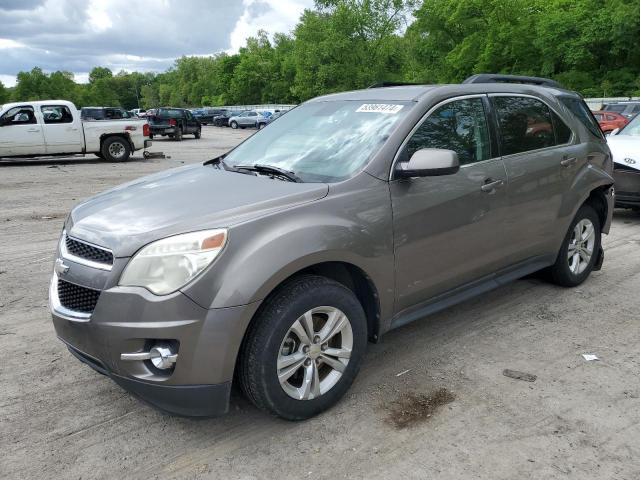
(181, 200)
(625, 150)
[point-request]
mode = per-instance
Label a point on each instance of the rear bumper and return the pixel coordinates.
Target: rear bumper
(148, 143)
(161, 130)
(627, 185)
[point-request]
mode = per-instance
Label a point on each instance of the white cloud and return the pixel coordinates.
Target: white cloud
(274, 16)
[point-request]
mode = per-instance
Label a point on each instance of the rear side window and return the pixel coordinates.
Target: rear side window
(582, 113)
(616, 108)
(525, 124)
(56, 114)
(460, 126)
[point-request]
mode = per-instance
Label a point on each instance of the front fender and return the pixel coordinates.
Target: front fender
(353, 226)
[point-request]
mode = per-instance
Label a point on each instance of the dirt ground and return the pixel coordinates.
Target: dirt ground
(430, 402)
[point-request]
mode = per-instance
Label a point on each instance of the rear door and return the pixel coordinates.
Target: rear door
(20, 132)
(448, 230)
(62, 131)
(541, 162)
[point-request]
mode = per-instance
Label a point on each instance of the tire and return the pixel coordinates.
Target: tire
(198, 134)
(178, 135)
(151, 136)
(271, 334)
(571, 272)
(234, 125)
(115, 149)
(261, 126)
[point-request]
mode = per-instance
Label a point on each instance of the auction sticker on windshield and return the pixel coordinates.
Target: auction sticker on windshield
(379, 108)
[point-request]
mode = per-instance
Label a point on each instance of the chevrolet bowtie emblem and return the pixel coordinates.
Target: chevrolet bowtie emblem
(60, 268)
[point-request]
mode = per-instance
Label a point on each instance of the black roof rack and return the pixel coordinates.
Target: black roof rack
(498, 78)
(393, 84)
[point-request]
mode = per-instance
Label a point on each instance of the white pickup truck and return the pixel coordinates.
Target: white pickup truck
(54, 127)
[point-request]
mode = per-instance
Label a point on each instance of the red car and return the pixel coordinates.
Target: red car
(609, 121)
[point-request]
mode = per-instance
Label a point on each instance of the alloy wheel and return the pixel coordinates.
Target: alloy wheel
(314, 353)
(581, 246)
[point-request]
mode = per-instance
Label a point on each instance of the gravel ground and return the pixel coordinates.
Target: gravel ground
(430, 402)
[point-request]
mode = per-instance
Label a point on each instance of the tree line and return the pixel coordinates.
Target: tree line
(588, 45)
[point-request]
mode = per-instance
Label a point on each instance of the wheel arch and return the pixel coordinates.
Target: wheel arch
(125, 136)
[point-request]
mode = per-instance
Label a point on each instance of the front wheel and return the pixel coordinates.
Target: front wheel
(115, 149)
(304, 349)
(580, 249)
(234, 125)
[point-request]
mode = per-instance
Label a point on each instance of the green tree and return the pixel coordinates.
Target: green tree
(4, 94)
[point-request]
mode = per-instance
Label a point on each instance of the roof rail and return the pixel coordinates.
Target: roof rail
(393, 84)
(499, 78)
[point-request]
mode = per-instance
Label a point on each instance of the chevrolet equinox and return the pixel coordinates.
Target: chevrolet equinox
(356, 213)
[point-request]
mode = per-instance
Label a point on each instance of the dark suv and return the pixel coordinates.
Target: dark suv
(351, 215)
(104, 113)
(174, 123)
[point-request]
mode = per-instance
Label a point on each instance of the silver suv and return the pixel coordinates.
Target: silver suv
(355, 213)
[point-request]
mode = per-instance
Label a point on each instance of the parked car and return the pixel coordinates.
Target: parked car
(174, 123)
(353, 214)
(251, 118)
(625, 149)
(222, 120)
(104, 113)
(609, 121)
(139, 112)
(206, 115)
(55, 127)
(626, 108)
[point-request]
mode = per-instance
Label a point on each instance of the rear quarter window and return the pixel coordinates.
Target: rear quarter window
(581, 111)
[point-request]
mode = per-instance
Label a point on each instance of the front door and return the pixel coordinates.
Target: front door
(20, 133)
(62, 133)
(448, 229)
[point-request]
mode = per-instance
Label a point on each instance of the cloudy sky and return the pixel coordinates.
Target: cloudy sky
(142, 35)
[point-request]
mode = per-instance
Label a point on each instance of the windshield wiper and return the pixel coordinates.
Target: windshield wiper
(219, 162)
(270, 169)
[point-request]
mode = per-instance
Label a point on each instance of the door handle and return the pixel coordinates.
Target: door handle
(33, 130)
(490, 185)
(568, 162)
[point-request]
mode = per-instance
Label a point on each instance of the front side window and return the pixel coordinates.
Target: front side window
(460, 126)
(525, 124)
(323, 141)
(19, 116)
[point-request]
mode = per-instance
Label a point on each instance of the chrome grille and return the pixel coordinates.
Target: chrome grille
(88, 252)
(76, 298)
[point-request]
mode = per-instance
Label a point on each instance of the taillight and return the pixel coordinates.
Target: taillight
(145, 130)
(172, 122)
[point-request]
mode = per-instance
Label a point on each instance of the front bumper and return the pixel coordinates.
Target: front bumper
(130, 320)
(627, 184)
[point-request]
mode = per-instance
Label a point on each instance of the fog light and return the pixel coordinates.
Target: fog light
(162, 356)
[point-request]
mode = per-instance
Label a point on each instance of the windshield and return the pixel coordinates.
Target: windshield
(322, 141)
(632, 128)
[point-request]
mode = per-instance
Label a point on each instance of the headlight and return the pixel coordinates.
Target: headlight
(166, 265)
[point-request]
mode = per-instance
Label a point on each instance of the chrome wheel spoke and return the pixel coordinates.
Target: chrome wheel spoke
(588, 232)
(286, 360)
(333, 363)
(337, 352)
(286, 373)
(335, 324)
(301, 332)
(311, 383)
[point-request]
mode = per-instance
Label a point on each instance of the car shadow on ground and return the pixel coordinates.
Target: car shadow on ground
(79, 159)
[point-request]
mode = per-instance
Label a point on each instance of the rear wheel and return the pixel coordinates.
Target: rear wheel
(178, 135)
(304, 348)
(115, 149)
(579, 250)
(198, 133)
(151, 136)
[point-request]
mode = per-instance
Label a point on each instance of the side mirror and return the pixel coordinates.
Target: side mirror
(429, 162)
(614, 132)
